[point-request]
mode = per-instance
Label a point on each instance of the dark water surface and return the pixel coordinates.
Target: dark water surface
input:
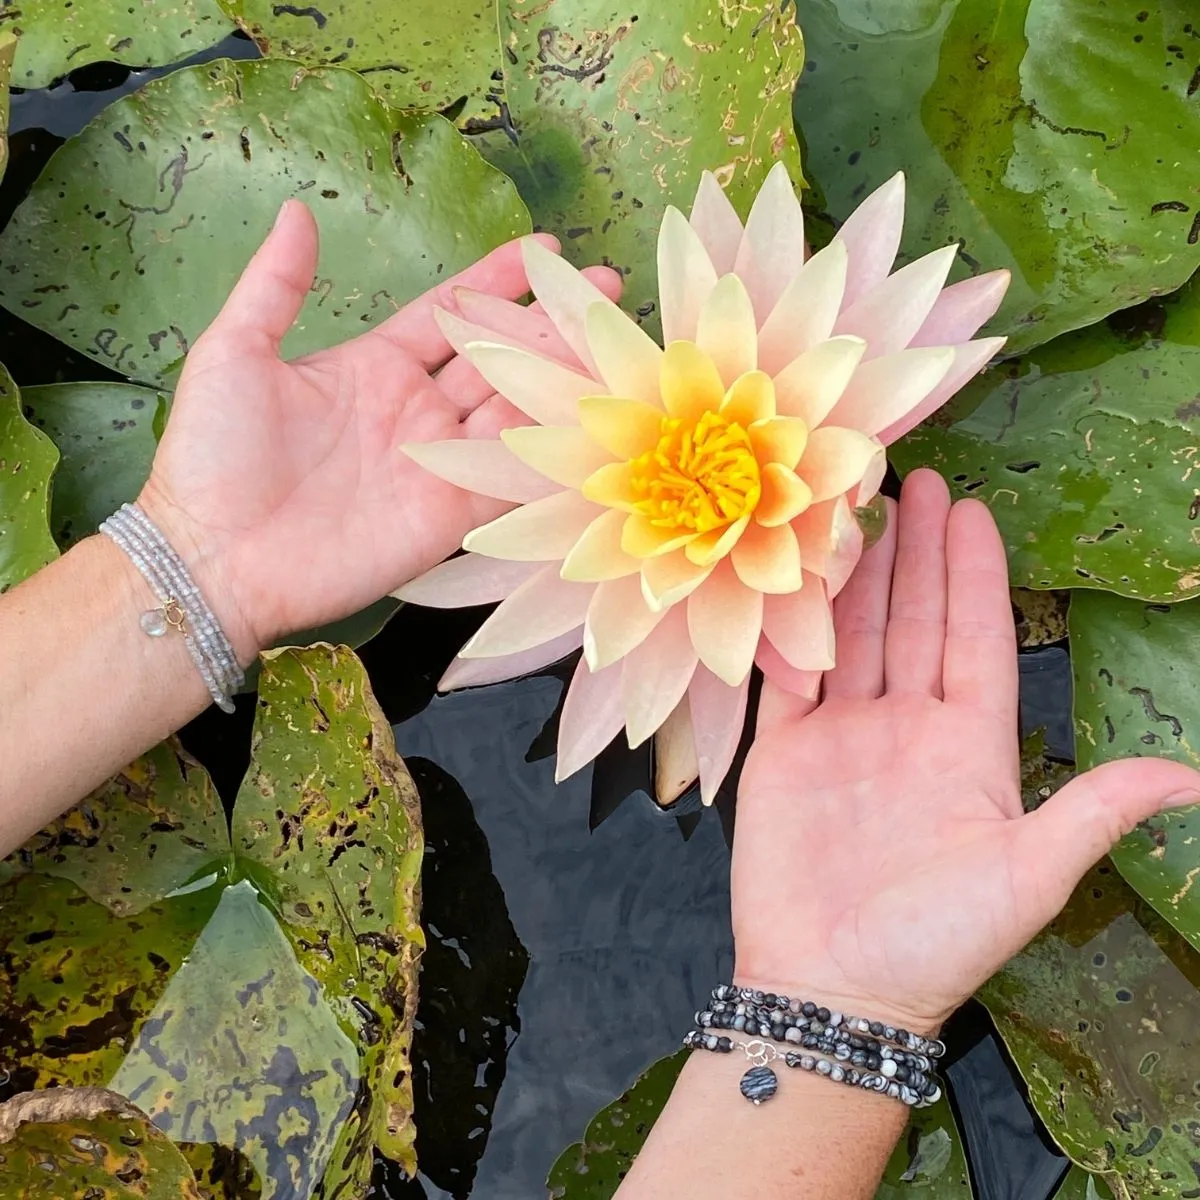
(571, 929)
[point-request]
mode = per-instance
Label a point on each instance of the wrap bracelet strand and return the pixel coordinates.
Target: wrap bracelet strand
(181, 605)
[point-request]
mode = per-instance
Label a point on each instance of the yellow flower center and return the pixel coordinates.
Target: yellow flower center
(701, 475)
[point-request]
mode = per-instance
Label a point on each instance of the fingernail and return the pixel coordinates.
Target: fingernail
(1179, 799)
(279, 215)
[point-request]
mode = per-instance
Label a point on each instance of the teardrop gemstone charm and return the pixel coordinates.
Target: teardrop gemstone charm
(153, 622)
(759, 1084)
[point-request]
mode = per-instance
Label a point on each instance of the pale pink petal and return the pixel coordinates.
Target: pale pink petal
(669, 578)
(597, 555)
(592, 716)
(686, 277)
(563, 453)
(541, 388)
(627, 357)
(565, 295)
(963, 309)
(889, 315)
(872, 481)
(656, 675)
(772, 248)
(800, 626)
(887, 389)
(460, 333)
(506, 321)
(835, 460)
(477, 672)
(716, 223)
(811, 384)
(969, 360)
(871, 236)
(831, 542)
(806, 311)
(543, 531)
(486, 467)
(544, 607)
(718, 714)
(675, 766)
(800, 683)
(726, 329)
(465, 581)
(618, 620)
(725, 620)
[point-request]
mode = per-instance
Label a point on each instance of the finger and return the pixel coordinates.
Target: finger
(492, 416)
(466, 388)
(916, 630)
(979, 664)
(1082, 821)
(860, 617)
(778, 708)
(268, 297)
(414, 330)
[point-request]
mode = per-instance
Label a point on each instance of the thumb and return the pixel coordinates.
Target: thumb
(269, 295)
(1082, 821)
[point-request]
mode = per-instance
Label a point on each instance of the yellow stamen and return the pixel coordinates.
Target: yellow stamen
(701, 476)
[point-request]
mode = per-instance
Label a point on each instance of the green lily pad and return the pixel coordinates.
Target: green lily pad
(1081, 1185)
(1101, 1015)
(27, 461)
(1136, 693)
(427, 54)
(56, 36)
(929, 1163)
(106, 435)
(1050, 138)
(186, 176)
(617, 114)
(8, 49)
(1086, 452)
(88, 1142)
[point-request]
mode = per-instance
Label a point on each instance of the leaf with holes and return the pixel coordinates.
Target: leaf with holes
(186, 176)
(1087, 451)
(1051, 138)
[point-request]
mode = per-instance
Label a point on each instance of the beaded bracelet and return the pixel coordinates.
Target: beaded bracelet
(181, 606)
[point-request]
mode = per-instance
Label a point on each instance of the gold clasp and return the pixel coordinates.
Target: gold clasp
(173, 613)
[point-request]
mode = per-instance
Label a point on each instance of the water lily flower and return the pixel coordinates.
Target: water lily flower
(687, 513)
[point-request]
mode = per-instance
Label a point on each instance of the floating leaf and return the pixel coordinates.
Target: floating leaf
(1101, 1014)
(186, 176)
(88, 1142)
(616, 116)
(422, 54)
(8, 47)
(1080, 1185)
(27, 461)
(1137, 692)
(105, 433)
(1016, 126)
(929, 1163)
(1086, 451)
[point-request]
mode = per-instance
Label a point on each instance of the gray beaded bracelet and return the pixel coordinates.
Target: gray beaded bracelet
(181, 606)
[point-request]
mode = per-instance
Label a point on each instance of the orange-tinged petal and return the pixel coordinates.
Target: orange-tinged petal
(543, 531)
(773, 666)
(835, 460)
(800, 626)
(618, 620)
(686, 277)
(644, 540)
(563, 453)
(716, 223)
(541, 388)
(544, 607)
(751, 398)
(718, 714)
(656, 675)
(727, 331)
(778, 440)
(710, 548)
(885, 389)
(486, 467)
(784, 495)
(565, 295)
(806, 311)
(597, 555)
(809, 386)
(675, 766)
(768, 559)
(626, 428)
(772, 248)
(690, 382)
(465, 581)
(668, 578)
(592, 716)
(725, 621)
(611, 486)
(476, 672)
(627, 357)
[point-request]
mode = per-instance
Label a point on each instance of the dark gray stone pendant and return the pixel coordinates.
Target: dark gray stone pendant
(759, 1084)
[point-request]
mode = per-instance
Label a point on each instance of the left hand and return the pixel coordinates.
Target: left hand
(282, 484)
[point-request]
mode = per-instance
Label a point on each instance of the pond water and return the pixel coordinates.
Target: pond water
(571, 929)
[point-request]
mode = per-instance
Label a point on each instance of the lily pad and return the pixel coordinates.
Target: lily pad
(616, 113)
(56, 36)
(88, 1142)
(106, 435)
(1033, 133)
(1101, 1014)
(1137, 693)
(929, 1163)
(8, 49)
(1080, 1185)
(1087, 450)
(186, 176)
(427, 54)
(27, 461)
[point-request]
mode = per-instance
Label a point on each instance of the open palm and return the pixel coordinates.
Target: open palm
(882, 858)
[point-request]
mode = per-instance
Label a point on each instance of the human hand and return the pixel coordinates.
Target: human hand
(882, 862)
(283, 484)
